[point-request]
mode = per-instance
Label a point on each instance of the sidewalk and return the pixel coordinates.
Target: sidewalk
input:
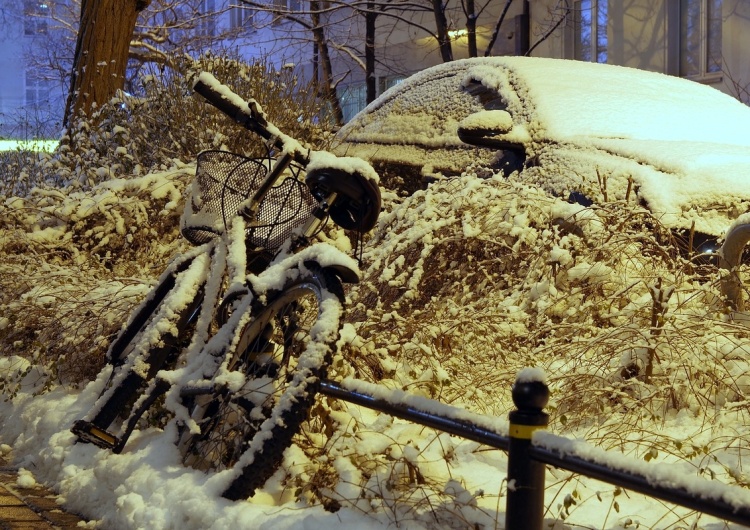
(30, 508)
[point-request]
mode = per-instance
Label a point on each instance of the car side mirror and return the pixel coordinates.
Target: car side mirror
(489, 128)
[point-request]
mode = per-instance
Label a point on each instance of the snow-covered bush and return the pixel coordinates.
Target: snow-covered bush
(74, 262)
(84, 230)
(472, 280)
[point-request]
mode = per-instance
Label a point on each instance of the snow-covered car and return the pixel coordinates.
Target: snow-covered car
(588, 132)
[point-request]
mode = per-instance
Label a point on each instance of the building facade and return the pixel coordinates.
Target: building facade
(704, 40)
(31, 98)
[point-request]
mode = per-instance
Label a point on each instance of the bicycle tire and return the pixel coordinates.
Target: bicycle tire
(287, 346)
(122, 390)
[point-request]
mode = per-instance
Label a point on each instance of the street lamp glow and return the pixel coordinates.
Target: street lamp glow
(28, 145)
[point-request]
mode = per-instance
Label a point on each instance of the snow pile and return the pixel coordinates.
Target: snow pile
(465, 284)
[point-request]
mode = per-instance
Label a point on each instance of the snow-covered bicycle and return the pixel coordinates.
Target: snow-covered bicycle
(237, 332)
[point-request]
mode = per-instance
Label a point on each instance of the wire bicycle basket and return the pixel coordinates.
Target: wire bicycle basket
(223, 183)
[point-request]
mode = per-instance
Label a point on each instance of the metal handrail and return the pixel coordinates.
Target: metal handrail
(528, 454)
(730, 256)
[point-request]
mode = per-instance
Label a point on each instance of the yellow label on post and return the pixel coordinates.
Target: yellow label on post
(523, 432)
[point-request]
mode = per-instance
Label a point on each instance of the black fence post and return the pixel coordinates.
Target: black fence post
(524, 508)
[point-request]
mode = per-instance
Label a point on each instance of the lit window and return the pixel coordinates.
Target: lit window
(384, 83)
(590, 29)
(353, 98)
(700, 37)
(35, 17)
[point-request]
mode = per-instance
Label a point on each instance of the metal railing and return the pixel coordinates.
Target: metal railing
(530, 450)
(730, 257)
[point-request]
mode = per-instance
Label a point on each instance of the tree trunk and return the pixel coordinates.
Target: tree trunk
(471, 27)
(441, 24)
(329, 89)
(370, 18)
(101, 54)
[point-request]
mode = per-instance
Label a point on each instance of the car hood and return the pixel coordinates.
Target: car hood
(694, 182)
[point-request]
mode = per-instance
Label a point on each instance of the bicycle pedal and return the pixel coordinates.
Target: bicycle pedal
(87, 432)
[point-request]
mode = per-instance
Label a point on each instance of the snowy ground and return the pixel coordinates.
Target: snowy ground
(464, 285)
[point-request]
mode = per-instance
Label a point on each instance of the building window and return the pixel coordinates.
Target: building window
(207, 20)
(384, 83)
(35, 17)
(241, 17)
(353, 98)
(700, 38)
(590, 30)
(284, 7)
(37, 90)
(288, 5)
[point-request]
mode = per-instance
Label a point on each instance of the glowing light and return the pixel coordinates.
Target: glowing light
(28, 145)
(457, 33)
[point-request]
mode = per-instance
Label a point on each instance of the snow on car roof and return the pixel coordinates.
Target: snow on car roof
(573, 98)
(580, 98)
(696, 134)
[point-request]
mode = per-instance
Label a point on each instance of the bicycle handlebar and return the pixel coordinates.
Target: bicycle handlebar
(249, 114)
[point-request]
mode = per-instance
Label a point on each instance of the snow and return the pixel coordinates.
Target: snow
(490, 119)
(664, 474)
(466, 288)
(532, 375)
(146, 486)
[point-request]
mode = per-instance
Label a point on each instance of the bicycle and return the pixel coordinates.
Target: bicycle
(237, 332)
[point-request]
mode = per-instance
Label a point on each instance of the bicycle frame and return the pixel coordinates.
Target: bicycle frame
(202, 271)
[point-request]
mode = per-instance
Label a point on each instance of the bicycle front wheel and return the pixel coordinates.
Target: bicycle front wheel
(152, 339)
(283, 351)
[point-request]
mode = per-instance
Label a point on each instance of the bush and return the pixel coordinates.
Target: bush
(84, 231)
(133, 135)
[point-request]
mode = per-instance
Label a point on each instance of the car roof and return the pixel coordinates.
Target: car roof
(630, 123)
(561, 99)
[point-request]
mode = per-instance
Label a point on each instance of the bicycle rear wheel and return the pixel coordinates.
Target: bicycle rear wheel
(283, 352)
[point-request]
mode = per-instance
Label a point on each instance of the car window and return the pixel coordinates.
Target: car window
(425, 113)
(489, 99)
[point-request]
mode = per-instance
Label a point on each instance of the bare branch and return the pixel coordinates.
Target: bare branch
(564, 6)
(496, 30)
